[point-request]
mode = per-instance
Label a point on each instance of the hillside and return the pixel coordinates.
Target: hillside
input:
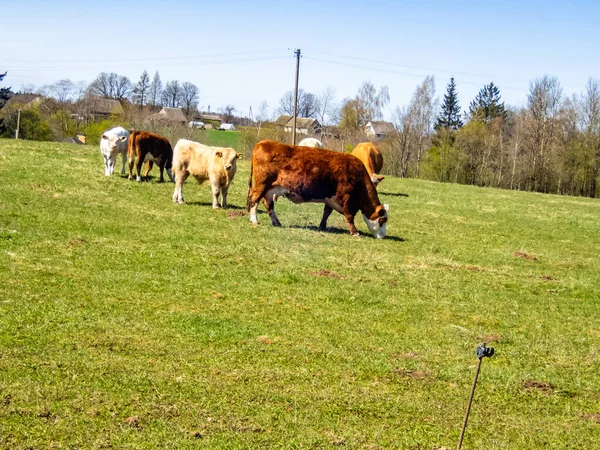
(129, 322)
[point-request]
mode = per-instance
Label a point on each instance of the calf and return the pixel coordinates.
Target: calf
(216, 164)
(151, 148)
(304, 174)
(371, 157)
(112, 143)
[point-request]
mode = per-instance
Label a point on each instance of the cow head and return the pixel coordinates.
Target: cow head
(378, 221)
(376, 179)
(229, 157)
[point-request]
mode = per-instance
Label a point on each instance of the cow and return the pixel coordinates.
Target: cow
(304, 174)
(112, 143)
(371, 157)
(151, 148)
(311, 142)
(216, 164)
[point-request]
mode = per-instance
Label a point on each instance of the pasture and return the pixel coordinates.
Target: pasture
(129, 322)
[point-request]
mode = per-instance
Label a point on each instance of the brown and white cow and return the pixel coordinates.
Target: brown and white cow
(216, 164)
(304, 174)
(371, 157)
(151, 148)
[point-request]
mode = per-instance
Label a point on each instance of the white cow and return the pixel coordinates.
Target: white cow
(113, 142)
(216, 164)
(311, 142)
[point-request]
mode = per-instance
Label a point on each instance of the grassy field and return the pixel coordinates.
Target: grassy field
(216, 138)
(129, 322)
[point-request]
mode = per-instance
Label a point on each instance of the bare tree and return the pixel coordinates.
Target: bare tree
(308, 105)
(189, 98)
(111, 85)
(371, 102)
(543, 104)
(155, 91)
(228, 112)
(326, 104)
(122, 87)
(262, 115)
(171, 94)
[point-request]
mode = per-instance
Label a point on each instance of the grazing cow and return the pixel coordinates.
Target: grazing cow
(151, 148)
(311, 142)
(303, 174)
(371, 157)
(112, 143)
(216, 164)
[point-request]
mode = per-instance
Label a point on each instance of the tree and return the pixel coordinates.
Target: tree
(141, 89)
(155, 91)
(543, 106)
(63, 91)
(370, 103)
(228, 112)
(487, 105)
(111, 85)
(307, 104)
(171, 94)
(122, 87)
(326, 105)
(5, 93)
(189, 98)
(450, 114)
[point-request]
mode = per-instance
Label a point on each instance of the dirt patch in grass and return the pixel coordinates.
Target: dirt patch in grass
(547, 278)
(408, 355)
(235, 214)
(490, 338)
(417, 375)
(133, 421)
(593, 417)
(524, 255)
(326, 273)
(540, 386)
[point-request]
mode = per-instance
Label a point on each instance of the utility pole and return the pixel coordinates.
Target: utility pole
(18, 123)
(297, 53)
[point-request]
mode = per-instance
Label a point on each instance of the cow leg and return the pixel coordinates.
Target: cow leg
(254, 197)
(224, 191)
(216, 189)
(180, 178)
(351, 226)
(161, 166)
(149, 167)
(131, 163)
(138, 168)
(269, 202)
(124, 158)
(326, 213)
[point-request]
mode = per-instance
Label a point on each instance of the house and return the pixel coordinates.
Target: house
(24, 101)
(202, 117)
(379, 130)
(304, 125)
(166, 114)
(97, 107)
(227, 127)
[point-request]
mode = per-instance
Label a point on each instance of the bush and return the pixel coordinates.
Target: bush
(31, 126)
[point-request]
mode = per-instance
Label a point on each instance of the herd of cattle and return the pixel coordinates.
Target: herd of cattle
(308, 172)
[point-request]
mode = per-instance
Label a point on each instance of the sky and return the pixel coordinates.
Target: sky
(242, 53)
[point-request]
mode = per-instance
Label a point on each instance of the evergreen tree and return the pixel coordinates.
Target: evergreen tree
(5, 93)
(155, 92)
(487, 105)
(450, 115)
(141, 89)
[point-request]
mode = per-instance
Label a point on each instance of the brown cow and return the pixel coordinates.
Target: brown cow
(151, 148)
(215, 164)
(304, 174)
(371, 157)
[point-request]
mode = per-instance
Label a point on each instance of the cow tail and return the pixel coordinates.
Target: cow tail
(250, 180)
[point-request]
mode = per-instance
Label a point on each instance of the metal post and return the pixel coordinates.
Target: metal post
(297, 53)
(481, 351)
(18, 124)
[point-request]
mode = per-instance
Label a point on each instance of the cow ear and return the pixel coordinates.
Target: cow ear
(123, 138)
(239, 155)
(381, 212)
(104, 136)
(219, 154)
(380, 178)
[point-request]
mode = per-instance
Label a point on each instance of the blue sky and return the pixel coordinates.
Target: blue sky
(241, 53)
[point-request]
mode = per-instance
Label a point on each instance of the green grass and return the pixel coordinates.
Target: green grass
(217, 138)
(129, 322)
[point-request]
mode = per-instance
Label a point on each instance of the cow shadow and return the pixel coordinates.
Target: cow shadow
(336, 230)
(197, 203)
(393, 194)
